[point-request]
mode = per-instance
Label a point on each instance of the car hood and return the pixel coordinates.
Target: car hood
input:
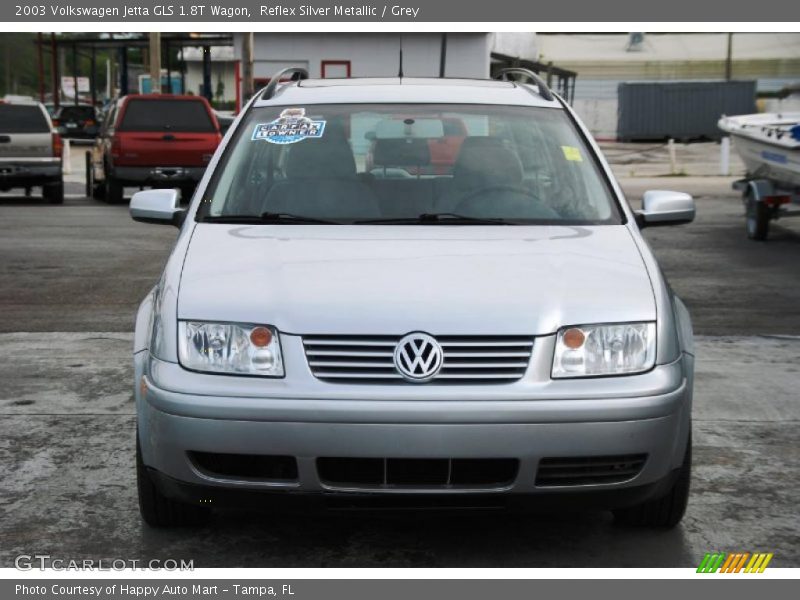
(495, 280)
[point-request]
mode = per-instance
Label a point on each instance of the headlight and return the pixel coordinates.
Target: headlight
(613, 349)
(233, 348)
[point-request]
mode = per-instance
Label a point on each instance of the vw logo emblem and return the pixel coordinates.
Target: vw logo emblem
(418, 357)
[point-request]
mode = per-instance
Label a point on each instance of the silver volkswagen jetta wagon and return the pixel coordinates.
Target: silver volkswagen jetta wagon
(412, 291)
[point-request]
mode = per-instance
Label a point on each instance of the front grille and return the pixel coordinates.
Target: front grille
(428, 473)
(588, 470)
(466, 359)
(246, 466)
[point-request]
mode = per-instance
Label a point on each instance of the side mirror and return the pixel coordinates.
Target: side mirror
(158, 206)
(661, 208)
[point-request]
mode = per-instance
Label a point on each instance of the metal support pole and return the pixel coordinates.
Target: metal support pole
(729, 59)
(673, 161)
(248, 83)
(182, 67)
(169, 66)
(75, 71)
(40, 65)
(237, 83)
(443, 56)
(54, 68)
(207, 73)
(123, 71)
(725, 156)
(93, 76)
(155, 62)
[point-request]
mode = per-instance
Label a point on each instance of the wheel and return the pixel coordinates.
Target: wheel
(114, 192)
(156, 509)
(757, 218)
(668, 510)
(53, 193)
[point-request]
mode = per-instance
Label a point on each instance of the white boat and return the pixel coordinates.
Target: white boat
(769, 144)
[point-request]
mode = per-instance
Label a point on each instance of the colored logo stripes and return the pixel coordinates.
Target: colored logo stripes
(721, 562)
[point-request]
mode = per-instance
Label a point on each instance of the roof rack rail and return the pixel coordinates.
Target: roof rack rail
(544, 91)
(297, 74)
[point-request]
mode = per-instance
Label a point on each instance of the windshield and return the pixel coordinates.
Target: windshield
(397, 163)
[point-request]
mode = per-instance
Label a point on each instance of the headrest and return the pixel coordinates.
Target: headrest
(323, 158)
(401, 152)
(485, 161)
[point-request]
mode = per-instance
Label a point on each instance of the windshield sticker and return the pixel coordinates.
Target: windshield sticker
(572, 153)
(291, 127)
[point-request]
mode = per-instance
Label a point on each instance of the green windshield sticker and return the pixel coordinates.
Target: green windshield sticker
(290, 127)
(572, 153)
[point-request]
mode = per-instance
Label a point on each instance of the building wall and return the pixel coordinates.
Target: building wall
(370, 55)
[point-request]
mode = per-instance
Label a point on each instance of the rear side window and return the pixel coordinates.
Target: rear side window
(166, 115)
(22, 119)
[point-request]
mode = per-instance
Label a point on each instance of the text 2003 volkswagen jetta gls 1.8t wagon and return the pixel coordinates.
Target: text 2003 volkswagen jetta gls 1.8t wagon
(412, 290)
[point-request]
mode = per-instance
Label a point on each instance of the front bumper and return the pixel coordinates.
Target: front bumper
(173, 424)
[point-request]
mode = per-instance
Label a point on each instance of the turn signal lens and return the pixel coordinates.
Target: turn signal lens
(573, 338)
(261, 337)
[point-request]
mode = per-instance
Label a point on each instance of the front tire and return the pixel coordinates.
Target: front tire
(668, 510)
(158, 510)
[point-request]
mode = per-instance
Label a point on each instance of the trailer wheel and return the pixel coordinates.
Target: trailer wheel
(757, 217)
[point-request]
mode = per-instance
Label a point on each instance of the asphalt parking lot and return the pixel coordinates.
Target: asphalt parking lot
(71, 277)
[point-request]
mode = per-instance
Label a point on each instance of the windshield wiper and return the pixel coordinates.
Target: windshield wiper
(442, 218)
(267, 217)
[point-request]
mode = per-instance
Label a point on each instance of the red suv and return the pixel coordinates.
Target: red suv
(153, 140)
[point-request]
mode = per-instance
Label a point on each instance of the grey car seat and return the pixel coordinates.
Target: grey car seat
(488, 182)
(321, 181)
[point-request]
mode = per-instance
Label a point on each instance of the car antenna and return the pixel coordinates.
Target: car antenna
(400, 70)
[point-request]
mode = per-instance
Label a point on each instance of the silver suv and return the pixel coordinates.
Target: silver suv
(30, 149)
(412, 290)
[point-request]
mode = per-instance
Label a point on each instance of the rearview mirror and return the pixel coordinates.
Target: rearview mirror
(157, 206)
(661, 208)
(392, 129)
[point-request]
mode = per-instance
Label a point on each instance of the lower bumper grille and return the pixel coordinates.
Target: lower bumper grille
(432, 473)
(578, 470)
(246, 466)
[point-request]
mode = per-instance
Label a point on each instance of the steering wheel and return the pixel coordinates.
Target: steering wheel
(468, 201)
